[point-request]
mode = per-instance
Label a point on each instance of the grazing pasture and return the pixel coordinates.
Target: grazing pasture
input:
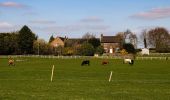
(29, 79)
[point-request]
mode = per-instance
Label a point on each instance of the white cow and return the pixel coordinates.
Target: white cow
(127, 61)
(130, 61)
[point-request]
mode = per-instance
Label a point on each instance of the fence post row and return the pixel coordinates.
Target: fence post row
(77, 57)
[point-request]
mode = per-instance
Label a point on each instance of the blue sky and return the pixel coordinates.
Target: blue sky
(74, 18)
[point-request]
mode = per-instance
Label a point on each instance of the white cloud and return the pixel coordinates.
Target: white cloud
(42, 22)
(30, 13)
(8, 27)
(12, 5)
(90, 24)
(76, 28)
(5, 25)
(93, 19)
(156, 13)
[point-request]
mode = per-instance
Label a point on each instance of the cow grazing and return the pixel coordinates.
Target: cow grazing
(166, 58)
(130, 61)
(127, 61)
(105, 62)
(11, 62)
(85, 62)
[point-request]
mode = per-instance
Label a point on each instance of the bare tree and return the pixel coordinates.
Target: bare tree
(88, 36)
(159, 38)
(130, 37)
(121, 37)
(133, 40)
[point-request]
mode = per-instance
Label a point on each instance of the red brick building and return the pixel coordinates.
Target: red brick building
(58, 41)
(110, 43)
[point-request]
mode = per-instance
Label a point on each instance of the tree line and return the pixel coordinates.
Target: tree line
(158, 38)
(20, 42)
(88, 45)
(25, 41)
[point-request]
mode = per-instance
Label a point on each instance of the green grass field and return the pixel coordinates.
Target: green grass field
(30, 80)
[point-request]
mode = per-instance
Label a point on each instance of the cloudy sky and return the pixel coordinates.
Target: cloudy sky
(74, 18)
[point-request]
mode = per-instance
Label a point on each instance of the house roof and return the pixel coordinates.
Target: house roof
(110, 39)
(62, 38)
(77, 40)
(58, 41)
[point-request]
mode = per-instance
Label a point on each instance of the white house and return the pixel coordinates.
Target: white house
(145, 51)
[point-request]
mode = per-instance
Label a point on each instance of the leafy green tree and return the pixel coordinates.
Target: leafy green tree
(1, 43)
(4, 42)
(58, 50)
(13, 45)
(91, 39)
(26, 39)
(68, 51)
(100, 50)
(87, 49)
(41, 47)
(77, 49)
(129, 48)
(8, 44)
(94, 41)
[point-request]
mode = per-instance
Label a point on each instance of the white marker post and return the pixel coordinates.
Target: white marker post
(110, 76)
(52, 73)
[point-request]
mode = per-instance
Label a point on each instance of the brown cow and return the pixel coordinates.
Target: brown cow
(11, 62)
(105, 62)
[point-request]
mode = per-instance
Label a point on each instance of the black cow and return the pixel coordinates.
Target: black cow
(85, 62)
(166, 58)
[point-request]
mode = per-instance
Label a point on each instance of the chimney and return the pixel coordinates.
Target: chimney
(101, 37)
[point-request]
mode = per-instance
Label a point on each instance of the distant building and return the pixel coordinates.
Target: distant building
(64, 41)
(58, 41)
(110, 43)
(145, 51)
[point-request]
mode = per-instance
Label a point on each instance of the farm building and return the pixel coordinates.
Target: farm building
(64, 41)
(110, 43)
(58, 41)
(145, 51)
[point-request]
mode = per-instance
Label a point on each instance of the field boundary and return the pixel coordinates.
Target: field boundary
(83, 57)
(152, 58)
